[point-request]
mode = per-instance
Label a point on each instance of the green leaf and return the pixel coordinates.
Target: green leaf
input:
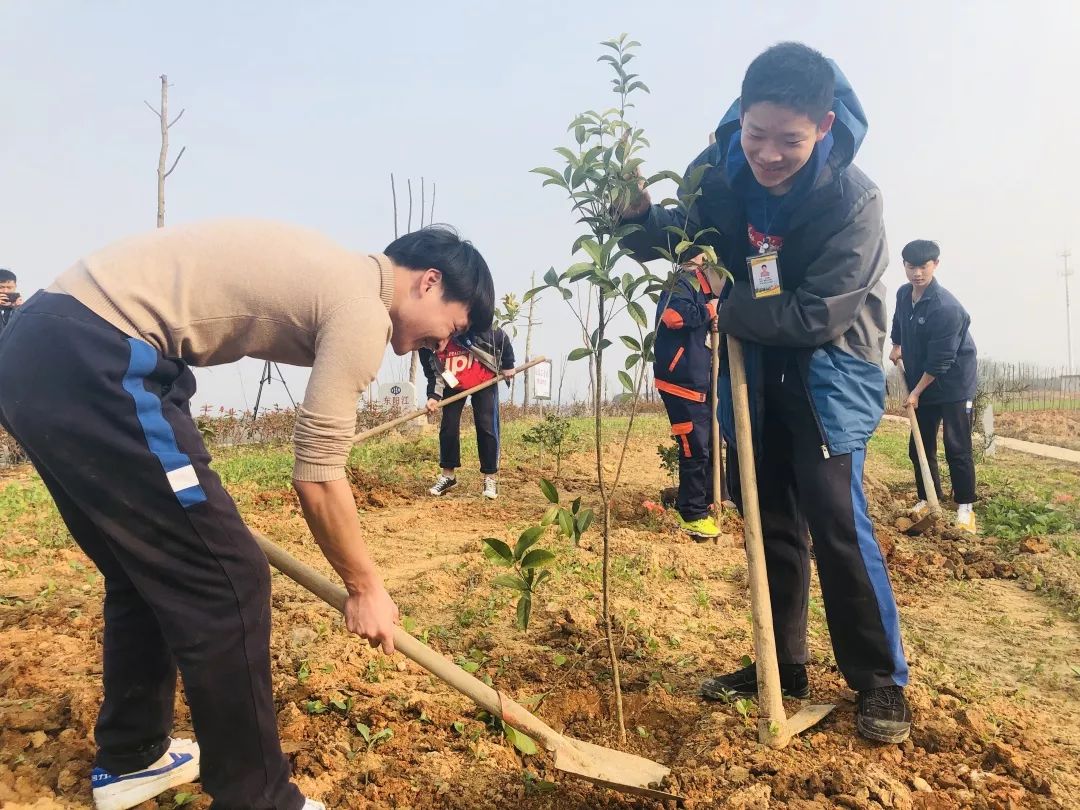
(511, 581)
(470, 666)
(579, 271)
(630, 343)
(522, 743)
(585, 520)
(566, 523)
(637, 312)
(544, 170)
(626, 381)
(578, 353)
(592, 249)
(575, 505)
(527, 538)
(537, 558)
(524, 611)
(559, 659)
(549, 516)
(549, 490)
(540, 577)
(498, 552)
(631, 361)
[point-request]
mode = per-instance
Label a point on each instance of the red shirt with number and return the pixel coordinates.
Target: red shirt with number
(469, 371)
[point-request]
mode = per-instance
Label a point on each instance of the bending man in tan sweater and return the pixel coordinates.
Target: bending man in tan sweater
(95, 384)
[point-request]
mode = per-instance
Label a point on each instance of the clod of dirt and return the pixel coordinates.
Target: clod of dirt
(1034, 545)
(903, 524)
(755, 797)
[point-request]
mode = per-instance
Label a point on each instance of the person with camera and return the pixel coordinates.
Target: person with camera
(10, 300)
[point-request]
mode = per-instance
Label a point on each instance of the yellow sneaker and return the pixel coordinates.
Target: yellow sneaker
(966, 523)
(701, 529)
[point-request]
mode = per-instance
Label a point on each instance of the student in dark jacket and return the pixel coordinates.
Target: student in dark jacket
(10, 300)
(467, 361)
(682, 371)
(931, 333)
(801, 229)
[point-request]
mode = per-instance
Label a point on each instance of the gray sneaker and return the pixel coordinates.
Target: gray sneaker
(491, 489)
(442, 485)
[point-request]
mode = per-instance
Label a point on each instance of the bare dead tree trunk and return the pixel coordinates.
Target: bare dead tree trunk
(408, 228)
(393, 191)
(163, 116)
(526, 384)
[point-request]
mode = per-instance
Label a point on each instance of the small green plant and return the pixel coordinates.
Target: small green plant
(669, 460)
(182, 798)
(315, 707)
(304, 672)
(1012, 518)
(551, 435)
(534, 786)
(526, 560)
(374, 739)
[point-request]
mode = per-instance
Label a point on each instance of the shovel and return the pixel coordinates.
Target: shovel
(719, 486)
(620, 771)
(364, 435)
(932, 516)
(775, 728)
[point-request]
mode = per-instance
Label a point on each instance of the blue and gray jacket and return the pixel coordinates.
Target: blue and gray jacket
(831, 315)
(935, 338)
(683, 361)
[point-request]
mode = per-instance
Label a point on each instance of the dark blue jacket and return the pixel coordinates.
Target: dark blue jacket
(831, 314)
(683, 359)
(934, 338)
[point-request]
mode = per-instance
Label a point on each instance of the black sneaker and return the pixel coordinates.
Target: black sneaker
(884, 715)
(793, 682)
(442, 485)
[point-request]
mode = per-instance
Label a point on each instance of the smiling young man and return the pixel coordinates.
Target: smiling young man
(931, 332)
(801, 229)
(95, 385)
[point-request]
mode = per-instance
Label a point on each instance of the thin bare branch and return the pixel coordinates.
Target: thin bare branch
(431, 216)
(170, 171)
(177, 117)
(393, 191)
(153, 109)
(423, 205)
(409, 229)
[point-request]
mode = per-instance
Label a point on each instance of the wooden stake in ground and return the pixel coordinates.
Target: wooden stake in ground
(774, 727)
(527, 383)
(163, 157)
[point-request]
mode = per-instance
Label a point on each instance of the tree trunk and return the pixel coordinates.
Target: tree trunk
(526, 384)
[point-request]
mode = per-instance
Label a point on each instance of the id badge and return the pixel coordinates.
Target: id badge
(450, 379)
(765, 274)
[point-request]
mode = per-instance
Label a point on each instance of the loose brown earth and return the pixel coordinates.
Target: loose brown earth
(1059, 428)
(995, 664)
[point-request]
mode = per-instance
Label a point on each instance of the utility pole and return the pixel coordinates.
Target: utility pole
(1065, 254)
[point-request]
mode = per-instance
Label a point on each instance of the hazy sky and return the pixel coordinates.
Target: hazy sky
(299, 112)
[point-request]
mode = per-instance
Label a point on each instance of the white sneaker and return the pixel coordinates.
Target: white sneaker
(311, 804)
(491, 489)
(177, 766)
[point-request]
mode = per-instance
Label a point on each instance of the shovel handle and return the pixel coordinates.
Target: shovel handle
(364, 435)
(717, 465)
(920, 451)
(476, 690)
(772, 722)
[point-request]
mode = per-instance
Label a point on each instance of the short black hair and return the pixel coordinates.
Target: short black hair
(792, 75)
(465, 275)
(920, 252)
(7, 275)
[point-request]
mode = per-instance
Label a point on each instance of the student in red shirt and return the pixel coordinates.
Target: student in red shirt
(465, 362)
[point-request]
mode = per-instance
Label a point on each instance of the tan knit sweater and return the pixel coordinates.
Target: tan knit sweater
(214, 292)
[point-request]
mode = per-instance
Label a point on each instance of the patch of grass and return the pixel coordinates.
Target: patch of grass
(267, 466)
(1012, 518)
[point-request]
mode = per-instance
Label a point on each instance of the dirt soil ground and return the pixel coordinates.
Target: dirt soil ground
(995, 663)
(1059, 428)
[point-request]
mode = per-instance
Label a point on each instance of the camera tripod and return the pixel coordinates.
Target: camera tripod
(267, 378)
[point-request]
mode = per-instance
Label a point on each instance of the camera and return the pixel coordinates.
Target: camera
(8, 299)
